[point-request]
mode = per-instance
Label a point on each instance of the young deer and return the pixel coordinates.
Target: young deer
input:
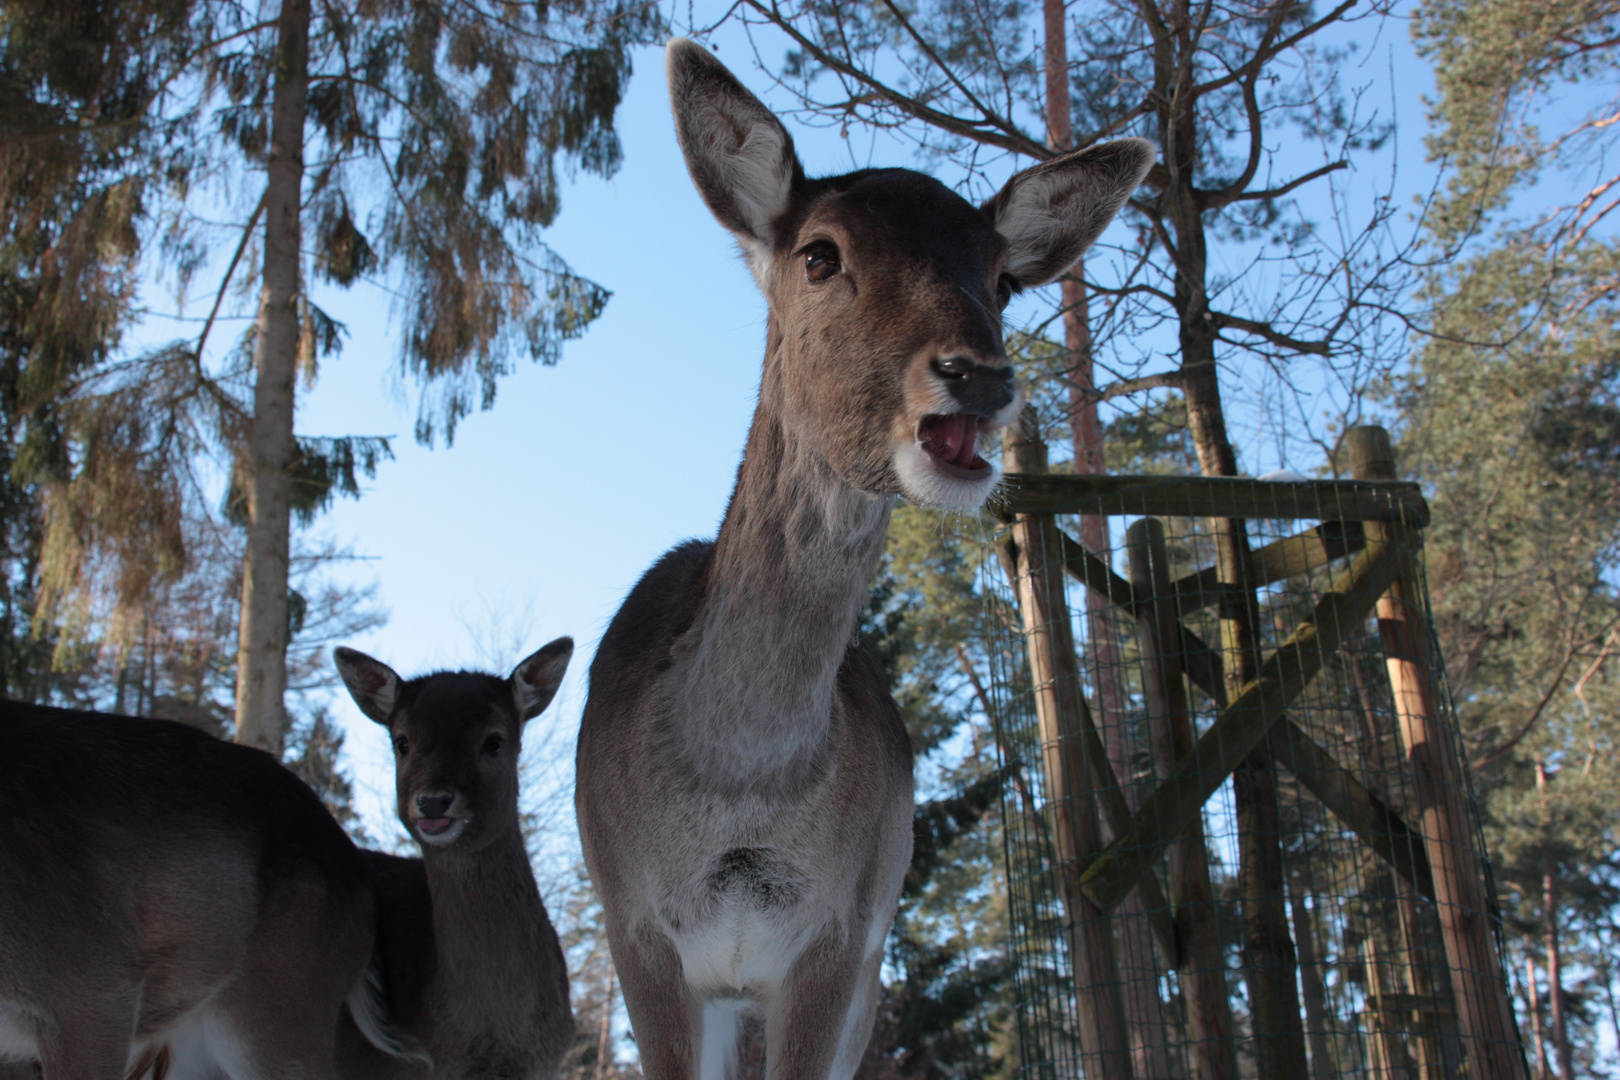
(471, 967)
(744, 780)
(171, 903)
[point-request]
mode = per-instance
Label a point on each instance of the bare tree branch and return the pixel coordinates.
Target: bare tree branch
(1008, 138)
(1266, 332)
(1214, 200)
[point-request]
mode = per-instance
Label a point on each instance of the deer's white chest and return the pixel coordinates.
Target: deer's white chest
(17, 1042)
(738, 919)
(742, 950)
(739, 922)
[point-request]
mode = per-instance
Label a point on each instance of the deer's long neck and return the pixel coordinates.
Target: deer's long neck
(750, 689)
(488, 926)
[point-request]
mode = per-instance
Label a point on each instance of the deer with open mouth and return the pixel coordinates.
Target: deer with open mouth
(744, 782)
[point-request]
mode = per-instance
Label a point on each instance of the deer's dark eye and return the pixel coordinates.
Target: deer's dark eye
(402, 745)
(821, 261)
(493, 744)
(1005, 287)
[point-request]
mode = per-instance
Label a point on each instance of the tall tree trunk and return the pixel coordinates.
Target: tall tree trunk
(261, 672)
(1202, 972)
(1150, 1056)
(1535, 1011)
(1268, 950)
(1555, 977)
(1317, 1015)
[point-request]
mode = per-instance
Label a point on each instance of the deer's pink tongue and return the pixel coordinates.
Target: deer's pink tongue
(433, 826)
(952, 439)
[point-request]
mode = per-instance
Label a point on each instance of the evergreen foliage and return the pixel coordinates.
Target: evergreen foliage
(949, 1009)
(428, 140)
(1511, 414)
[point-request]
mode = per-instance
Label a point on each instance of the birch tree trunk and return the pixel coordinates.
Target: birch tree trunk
(261, 672)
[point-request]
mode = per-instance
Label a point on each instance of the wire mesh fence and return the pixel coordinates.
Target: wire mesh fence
(1240, 836)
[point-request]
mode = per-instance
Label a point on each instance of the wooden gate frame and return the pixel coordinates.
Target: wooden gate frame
(1375, 518)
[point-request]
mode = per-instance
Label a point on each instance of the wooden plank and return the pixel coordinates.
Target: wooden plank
(1379, 827)
(1239, 727)
(1054, 668)
(1095, 574)
(1336, 787)
(1211, 496)
(1277, 561)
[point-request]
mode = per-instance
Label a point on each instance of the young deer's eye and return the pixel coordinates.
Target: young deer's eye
(821, 261)
(493, 744)
(402, 745)
(1005, 287)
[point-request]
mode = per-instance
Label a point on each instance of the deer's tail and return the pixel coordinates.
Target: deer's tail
(369, 1009)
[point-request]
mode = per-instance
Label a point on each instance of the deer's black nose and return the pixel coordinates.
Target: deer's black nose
(978, 388)
(434, 806)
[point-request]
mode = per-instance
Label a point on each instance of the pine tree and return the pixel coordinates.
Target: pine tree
(950, 1011)
(1512, 415)
(431, 133)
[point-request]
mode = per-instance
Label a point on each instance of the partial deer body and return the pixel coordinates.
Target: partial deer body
(471, 968)
(170, 902)
(744, 781)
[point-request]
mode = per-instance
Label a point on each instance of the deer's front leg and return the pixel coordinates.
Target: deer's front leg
(819, 1021)
(663, 1013)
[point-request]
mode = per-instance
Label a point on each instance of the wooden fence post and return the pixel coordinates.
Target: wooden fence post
(1202, 971)
(1055, 674)
(1484, 1017)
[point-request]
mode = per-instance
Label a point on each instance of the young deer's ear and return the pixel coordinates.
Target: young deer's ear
(740, 156)
(1051, 213)
(535, 680)
(371, 683)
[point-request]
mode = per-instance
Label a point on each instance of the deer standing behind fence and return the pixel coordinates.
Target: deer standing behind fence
(471, 967)
(744, 782)
(171, 904)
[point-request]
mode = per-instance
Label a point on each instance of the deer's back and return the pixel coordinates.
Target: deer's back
(143, 851)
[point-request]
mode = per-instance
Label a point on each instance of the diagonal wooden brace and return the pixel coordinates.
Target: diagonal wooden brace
(1242, 725)
(1336, 787)
(1367, 815)
(1117, 811)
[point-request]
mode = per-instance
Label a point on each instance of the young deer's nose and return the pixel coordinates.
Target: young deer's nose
(978, 388)
(434, 806)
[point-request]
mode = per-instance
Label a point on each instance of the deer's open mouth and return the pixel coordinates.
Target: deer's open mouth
(441, 830)
(953, 441)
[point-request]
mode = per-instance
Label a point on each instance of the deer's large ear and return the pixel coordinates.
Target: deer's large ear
(371, 683)
(740, 156)
(535, 680)
(1051, 213)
